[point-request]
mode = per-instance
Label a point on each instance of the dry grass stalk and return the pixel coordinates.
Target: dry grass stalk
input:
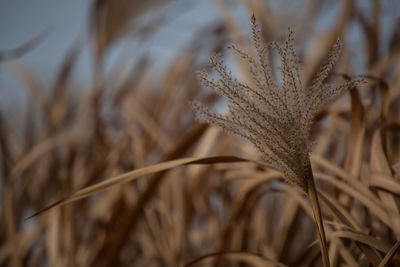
(276, 118)
(235, 212)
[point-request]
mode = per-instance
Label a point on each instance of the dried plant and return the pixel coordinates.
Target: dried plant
(275, 117)
(119, 156)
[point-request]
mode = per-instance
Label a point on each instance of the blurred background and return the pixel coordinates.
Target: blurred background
(93, 89)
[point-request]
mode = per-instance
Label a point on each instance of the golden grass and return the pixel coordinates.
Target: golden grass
(137, 182)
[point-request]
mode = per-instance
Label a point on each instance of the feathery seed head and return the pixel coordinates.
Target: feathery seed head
(276, 118)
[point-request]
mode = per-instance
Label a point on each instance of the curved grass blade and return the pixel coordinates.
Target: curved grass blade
(133, 175)
(249, 257)
(391, 253)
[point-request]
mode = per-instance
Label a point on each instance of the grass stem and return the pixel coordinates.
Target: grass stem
(312, 193)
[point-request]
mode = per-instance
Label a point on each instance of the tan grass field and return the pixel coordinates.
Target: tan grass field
(123, 174)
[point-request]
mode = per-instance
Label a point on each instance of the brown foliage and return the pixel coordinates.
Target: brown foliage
(174, 192)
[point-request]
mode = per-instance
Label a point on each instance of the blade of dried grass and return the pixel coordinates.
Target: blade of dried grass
(240, 204)
(391, 253)
(26, 242)
(177, 72)
(250, 185)
(333, 253)
(204, 147)
(8, 219)
(10, 223)
(135, 76)
(24, 48)
(385, 182)
(365, 239)
(249, 257)
(374, 205)
(354, 157)
(30, 128)
(7, 157)
(371, 30)
(380, 164)
(109, 20)
(384, 101)
(301, 200)
(309, 256)
(385, 98)
(58, 104)
(286, 224)
(339, 212)
(346, 177)
(27, 77)
(344, 252)
(305, 257)
(114, 241)
(132, 175)
(355, 142)
(141, 116)
(356, 138)
(37, 151)
(53, 239)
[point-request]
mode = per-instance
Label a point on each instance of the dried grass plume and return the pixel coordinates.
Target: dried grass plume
(275, 117)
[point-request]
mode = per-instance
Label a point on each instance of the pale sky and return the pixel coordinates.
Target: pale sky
(21, 20)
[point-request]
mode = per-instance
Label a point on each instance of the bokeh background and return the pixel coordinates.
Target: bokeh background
(93, 89)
